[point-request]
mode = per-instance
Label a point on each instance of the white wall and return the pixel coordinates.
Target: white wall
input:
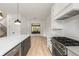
(47, 26)
(12, 29)
(54, 24)
(26, 25)
(70, 28)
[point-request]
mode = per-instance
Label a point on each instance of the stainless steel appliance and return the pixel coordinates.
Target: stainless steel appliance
(59, 45)
(58, 48)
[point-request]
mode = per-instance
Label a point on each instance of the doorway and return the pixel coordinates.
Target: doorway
(35, 28)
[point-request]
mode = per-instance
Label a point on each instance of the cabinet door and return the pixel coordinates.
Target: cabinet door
(70, 53)
(14, 52)
(58, 7)
(25, 46)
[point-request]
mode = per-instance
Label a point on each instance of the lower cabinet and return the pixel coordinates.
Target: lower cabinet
(14, 52)
(21, 49)
(25, 46)
(70, 53)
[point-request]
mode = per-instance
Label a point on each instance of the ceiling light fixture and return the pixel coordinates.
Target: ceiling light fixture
(17, 21)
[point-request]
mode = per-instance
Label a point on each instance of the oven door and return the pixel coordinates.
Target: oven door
(58, 49)
(56, 52)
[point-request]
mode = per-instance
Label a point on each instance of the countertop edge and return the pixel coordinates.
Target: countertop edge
(26, 36)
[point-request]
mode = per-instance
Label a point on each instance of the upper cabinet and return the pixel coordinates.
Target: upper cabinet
(63, 11)
(55, 11)
(58, 7)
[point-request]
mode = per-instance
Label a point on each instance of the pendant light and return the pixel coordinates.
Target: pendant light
(17, 21)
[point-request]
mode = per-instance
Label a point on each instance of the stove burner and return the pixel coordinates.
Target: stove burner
(66, 41)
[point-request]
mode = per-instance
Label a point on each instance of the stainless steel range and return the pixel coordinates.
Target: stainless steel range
(59, 45)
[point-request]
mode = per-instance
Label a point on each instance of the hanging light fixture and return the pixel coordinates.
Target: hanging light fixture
(17, 21)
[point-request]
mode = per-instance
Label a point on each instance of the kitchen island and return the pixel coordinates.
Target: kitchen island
(8, 43)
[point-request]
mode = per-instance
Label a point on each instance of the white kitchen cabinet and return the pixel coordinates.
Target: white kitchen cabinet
(55, 11)
(68, 11)
(70, 53)
(58, 7)
(56, 26)
(63, 11)
(49, 44)
(15, 51)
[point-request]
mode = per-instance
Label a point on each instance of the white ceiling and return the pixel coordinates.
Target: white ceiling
(28, 10)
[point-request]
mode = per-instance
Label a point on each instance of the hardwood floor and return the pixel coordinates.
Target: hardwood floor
(38, 47)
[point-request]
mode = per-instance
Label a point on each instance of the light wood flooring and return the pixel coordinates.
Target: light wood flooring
(38, 47)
